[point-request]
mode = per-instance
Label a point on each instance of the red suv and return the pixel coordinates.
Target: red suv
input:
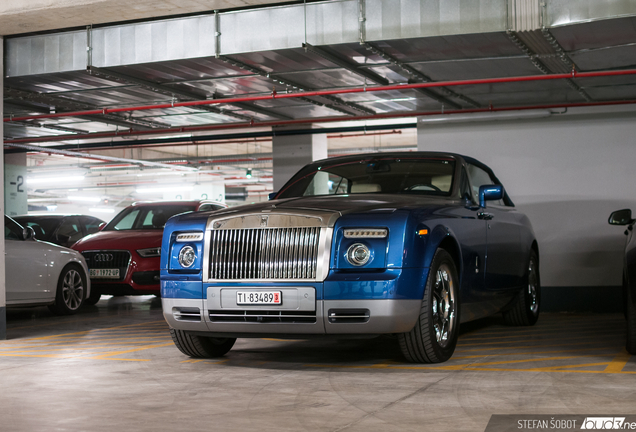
(123, 258)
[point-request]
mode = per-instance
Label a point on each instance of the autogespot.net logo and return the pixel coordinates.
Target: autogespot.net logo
(607, 423)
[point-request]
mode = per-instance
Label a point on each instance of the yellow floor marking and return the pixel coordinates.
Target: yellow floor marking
(573, 326)
(534, 335)
(116, 353)
(99, 344)
(530, 353)
(555, 368)
(555, 337)
(90, 331)
(528, 346)
(618, 363)
(206, 361)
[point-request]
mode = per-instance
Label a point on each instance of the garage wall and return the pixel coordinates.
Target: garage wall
(567, 173)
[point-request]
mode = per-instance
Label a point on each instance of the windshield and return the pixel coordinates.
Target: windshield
(44, 227)
(424, 176)
(146, 217)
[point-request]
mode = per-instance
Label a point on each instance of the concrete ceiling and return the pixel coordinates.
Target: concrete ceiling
(19, 16)
(186, 59)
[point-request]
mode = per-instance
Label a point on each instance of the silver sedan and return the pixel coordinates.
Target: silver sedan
(40, 273)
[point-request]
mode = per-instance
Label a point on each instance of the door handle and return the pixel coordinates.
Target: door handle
(485, 216)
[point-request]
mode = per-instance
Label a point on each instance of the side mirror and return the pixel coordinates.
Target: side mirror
(490, 193)
(101, 226)
(621, 217)
(272, 195)
(28, 233)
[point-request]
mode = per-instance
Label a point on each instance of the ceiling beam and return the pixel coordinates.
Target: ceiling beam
(541, 61)
(416, 75)
(346, 64)
(31, 147)
(180, 94)
(370, 75)
(337, 102)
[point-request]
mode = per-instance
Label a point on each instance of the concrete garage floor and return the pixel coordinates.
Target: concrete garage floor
(114, 368)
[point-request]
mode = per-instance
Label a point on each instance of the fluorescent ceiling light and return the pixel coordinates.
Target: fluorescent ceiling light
(164, 189)
(40, 180)
(101, 210)
(31, 200)
(84, 198)
(485, 116)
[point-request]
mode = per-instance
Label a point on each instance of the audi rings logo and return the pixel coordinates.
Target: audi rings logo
(103, 257)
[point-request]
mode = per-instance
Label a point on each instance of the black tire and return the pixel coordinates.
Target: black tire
(71, 290)
(631, 323)
(526, 306)
(434, 337)
(201, 346)
(94, 297)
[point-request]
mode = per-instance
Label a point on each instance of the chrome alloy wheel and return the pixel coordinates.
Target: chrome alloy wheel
(444, 306)
(72, 289)
(532, 287)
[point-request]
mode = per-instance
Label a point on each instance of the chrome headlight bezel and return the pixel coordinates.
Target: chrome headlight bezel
(187, 256)
(359, 254)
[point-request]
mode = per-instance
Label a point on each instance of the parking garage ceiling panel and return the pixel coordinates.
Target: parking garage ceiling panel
(273, 52)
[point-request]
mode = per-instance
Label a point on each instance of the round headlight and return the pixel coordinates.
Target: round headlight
(187, 256)
(358, 254)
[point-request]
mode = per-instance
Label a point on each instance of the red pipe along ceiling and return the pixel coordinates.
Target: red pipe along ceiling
(275, 95)
(193, 139)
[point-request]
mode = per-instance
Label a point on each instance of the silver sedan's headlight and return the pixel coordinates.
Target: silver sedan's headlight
(187, 256)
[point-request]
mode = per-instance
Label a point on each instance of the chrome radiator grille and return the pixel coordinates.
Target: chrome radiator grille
(264, 253)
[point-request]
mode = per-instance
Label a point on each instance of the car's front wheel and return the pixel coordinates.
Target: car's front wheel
(71, 290)
(201, 346)
(434, 337)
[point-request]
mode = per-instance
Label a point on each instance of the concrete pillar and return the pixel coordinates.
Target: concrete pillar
(15, 191)
(292, 152)
(3, 298)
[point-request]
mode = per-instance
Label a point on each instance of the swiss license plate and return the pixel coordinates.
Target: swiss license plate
(260, 297)
(104, 273)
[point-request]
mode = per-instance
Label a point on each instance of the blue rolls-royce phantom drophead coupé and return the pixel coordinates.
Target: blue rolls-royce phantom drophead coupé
(411, 244)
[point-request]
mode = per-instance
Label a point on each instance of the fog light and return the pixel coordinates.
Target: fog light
(187, 256)
(358, 254)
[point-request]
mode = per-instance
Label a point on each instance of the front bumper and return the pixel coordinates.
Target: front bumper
(325, 317)
(141, 278)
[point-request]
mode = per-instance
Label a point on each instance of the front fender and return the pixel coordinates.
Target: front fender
(442, 234)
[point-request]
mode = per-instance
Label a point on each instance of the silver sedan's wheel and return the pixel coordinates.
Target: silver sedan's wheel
(524, 310)
(71, 291)
(434, 337)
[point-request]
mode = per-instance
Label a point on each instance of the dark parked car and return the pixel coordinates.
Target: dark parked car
(624, 217)
(63, 230)
(123, 258)
(400, 243)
